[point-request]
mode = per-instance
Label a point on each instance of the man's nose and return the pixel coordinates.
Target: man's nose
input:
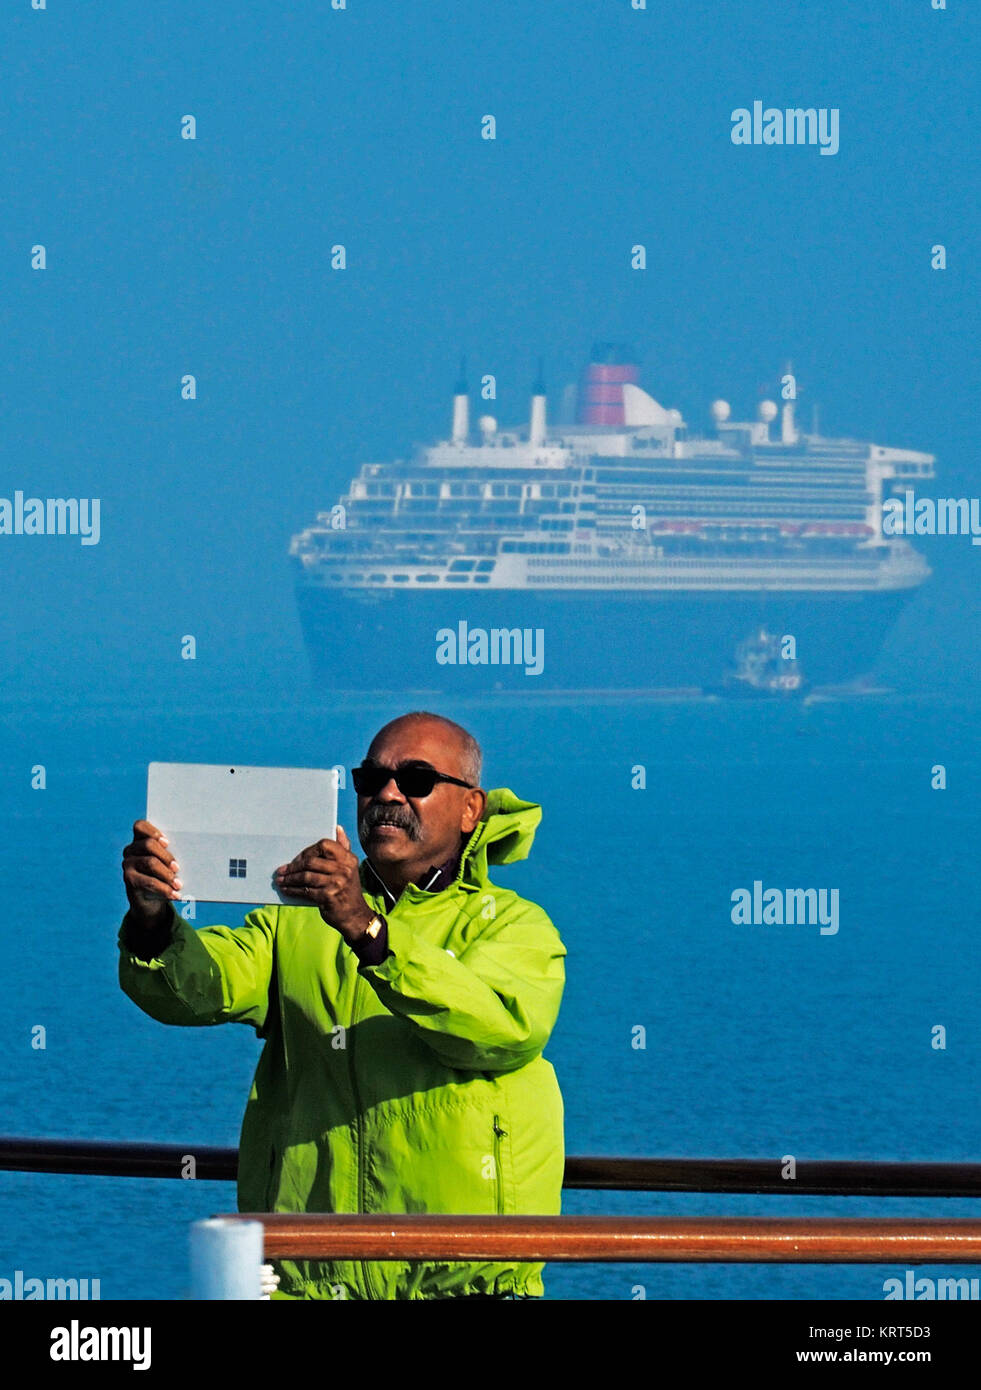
(385, 793)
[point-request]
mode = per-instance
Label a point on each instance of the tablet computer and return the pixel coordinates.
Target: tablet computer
(230, 827)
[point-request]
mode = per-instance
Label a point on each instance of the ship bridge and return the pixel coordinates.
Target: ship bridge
(498, 451)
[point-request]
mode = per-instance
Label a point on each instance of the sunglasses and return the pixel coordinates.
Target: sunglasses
(411, 780)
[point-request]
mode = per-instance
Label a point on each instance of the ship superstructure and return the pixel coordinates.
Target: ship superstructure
(619, 528)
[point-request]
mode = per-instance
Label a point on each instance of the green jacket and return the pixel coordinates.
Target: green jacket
(411, 1086)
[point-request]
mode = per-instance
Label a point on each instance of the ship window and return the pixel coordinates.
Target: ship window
(481, 579)
(400, 578)
(426, 578)
(462, 564)
(458, 579)
(355, 578)
(485, 565)
(376, 578)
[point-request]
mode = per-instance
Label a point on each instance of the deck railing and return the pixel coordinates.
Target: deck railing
(760, 1176)
(228, 1250)
(705, 1239)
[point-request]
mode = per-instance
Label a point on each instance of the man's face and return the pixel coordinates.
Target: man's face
(418, 831)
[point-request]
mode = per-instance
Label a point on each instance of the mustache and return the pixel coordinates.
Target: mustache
(402, 816)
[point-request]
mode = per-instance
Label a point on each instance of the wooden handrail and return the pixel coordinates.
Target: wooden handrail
(822, 1177)
(701, 1239)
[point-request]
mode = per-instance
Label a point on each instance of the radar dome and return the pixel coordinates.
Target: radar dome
(721, 411)
(487, 424)
(768, 411)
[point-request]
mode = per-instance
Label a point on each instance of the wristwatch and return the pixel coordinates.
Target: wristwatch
(375, 926)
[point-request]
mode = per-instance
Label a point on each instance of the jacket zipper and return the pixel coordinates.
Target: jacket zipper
(358, 982)
(274, 989)
(499, 1134)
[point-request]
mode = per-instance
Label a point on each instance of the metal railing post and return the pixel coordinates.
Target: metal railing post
(226, 1259)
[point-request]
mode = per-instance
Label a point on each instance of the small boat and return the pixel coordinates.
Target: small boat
(762, 668)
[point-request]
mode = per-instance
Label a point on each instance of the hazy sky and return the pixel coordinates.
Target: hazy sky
(362, 126)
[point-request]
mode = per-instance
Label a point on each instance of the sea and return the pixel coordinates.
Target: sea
(682, 1033)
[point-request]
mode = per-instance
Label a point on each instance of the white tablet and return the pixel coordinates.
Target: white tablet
(230, 828)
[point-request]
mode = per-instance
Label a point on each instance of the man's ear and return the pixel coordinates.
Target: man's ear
(473, 808)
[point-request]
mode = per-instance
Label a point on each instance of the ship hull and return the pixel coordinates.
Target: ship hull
(390, 639)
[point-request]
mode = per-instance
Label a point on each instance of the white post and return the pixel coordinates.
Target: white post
(226, 1259)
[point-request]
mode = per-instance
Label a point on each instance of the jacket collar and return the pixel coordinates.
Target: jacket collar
(503, 835)
(433, 880)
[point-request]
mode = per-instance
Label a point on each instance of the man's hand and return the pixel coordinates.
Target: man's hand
(149, 874)
(326, 876)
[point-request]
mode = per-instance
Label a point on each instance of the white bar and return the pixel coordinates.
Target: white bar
(226, 1259)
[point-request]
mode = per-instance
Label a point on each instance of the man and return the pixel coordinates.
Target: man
(404, 1013)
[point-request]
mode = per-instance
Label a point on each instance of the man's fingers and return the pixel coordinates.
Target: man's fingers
(342, 839)
(147, 839)
(143, 829)
(149, 870)
(314, 872)
(330, 847)
(144, 885)
(141, 849)
(324, 851)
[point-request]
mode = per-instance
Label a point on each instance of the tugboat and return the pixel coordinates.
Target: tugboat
(762, 669)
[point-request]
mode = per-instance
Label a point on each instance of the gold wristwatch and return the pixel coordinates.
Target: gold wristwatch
(375, 926)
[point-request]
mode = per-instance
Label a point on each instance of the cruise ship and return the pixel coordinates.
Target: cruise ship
(618, 551)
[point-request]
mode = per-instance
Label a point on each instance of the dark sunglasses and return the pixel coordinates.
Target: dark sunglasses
(411, 780)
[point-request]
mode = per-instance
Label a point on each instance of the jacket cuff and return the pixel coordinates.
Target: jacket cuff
(371, 950)
(398, 942)
(165, 935)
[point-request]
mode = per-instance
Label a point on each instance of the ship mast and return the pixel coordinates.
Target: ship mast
(461, 406)
(536, 431)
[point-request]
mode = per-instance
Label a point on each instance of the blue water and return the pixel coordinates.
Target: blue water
(760, 1041)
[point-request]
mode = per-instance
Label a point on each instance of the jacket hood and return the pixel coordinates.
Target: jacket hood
(503, 835)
